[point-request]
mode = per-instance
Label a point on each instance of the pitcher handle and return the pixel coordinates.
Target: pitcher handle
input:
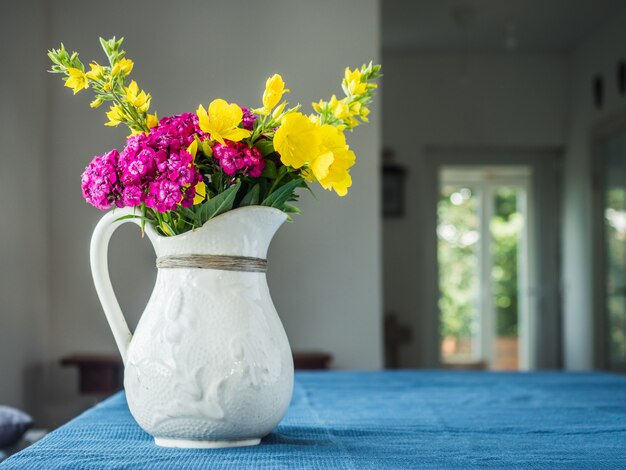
(100, 271)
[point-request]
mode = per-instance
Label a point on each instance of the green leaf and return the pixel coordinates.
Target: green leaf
(189, 213)
(291, 209)
(283, 194)
(265, 147)
(104, 44)
(131, 216)
(219, 204)
(308, 188)
(270, 170)
(252, 197)
(282, 171)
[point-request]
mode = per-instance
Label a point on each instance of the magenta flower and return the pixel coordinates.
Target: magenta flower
(248, 119)
(164, 195)
(132, 196)
(253, 161)
(237, 156)
(155, 169)
(136, 165)
(99, 182)
(229, 156)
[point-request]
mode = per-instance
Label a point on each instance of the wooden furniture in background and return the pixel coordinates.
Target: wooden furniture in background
(465, 365)
(396, 334)
(97, 374)
(311, 360)
(104, 374)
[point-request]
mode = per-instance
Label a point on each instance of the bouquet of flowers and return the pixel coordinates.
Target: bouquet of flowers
(183, 170)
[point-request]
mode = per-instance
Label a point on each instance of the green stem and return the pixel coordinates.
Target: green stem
(276, 181)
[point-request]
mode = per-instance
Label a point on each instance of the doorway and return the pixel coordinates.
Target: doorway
(610, 246)
(483, 239)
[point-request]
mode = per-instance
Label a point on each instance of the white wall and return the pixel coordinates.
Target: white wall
(503, 101)
(324, 268)
(598, 55)
(23, 194)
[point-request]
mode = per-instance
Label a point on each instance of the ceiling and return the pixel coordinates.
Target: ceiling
(493, 25)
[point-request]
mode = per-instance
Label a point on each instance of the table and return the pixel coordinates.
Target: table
(383, 420)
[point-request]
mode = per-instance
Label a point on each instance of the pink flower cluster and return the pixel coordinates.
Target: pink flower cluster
(238, 156)
(154, 169)
(100, 182)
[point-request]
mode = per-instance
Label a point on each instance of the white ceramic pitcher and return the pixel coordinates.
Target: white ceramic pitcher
(209, 364)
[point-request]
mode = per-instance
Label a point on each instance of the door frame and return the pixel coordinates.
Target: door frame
(545, 321)
(599, 133)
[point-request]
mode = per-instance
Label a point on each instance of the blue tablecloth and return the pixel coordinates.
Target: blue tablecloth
(383, 420)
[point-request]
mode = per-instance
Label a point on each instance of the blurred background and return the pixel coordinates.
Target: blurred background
(486, 228)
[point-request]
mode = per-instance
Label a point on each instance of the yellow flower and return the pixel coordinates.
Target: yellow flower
(200, 193)
(222, 121)
(77, 80)
(297, 140)
(274, 90)
(315, 119)
(152, 120)
(115, 115)
(123, 67)
(339, 108)
(193, 148)
(331, 166)
(353, 82)
(139, 100)
(96, 72)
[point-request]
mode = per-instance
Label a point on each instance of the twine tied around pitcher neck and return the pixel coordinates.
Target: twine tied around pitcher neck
(221, 262)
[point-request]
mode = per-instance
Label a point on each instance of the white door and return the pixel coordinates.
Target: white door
(483, 232)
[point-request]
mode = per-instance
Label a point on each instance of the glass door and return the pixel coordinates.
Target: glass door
(482, 253)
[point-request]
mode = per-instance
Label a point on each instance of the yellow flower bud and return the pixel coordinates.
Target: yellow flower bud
(126, 66)
(319, 106)
(279, 110)
(274, 90)
(96, 103)
(206, 148)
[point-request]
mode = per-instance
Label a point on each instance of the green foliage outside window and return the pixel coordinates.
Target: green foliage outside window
(458, 253)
